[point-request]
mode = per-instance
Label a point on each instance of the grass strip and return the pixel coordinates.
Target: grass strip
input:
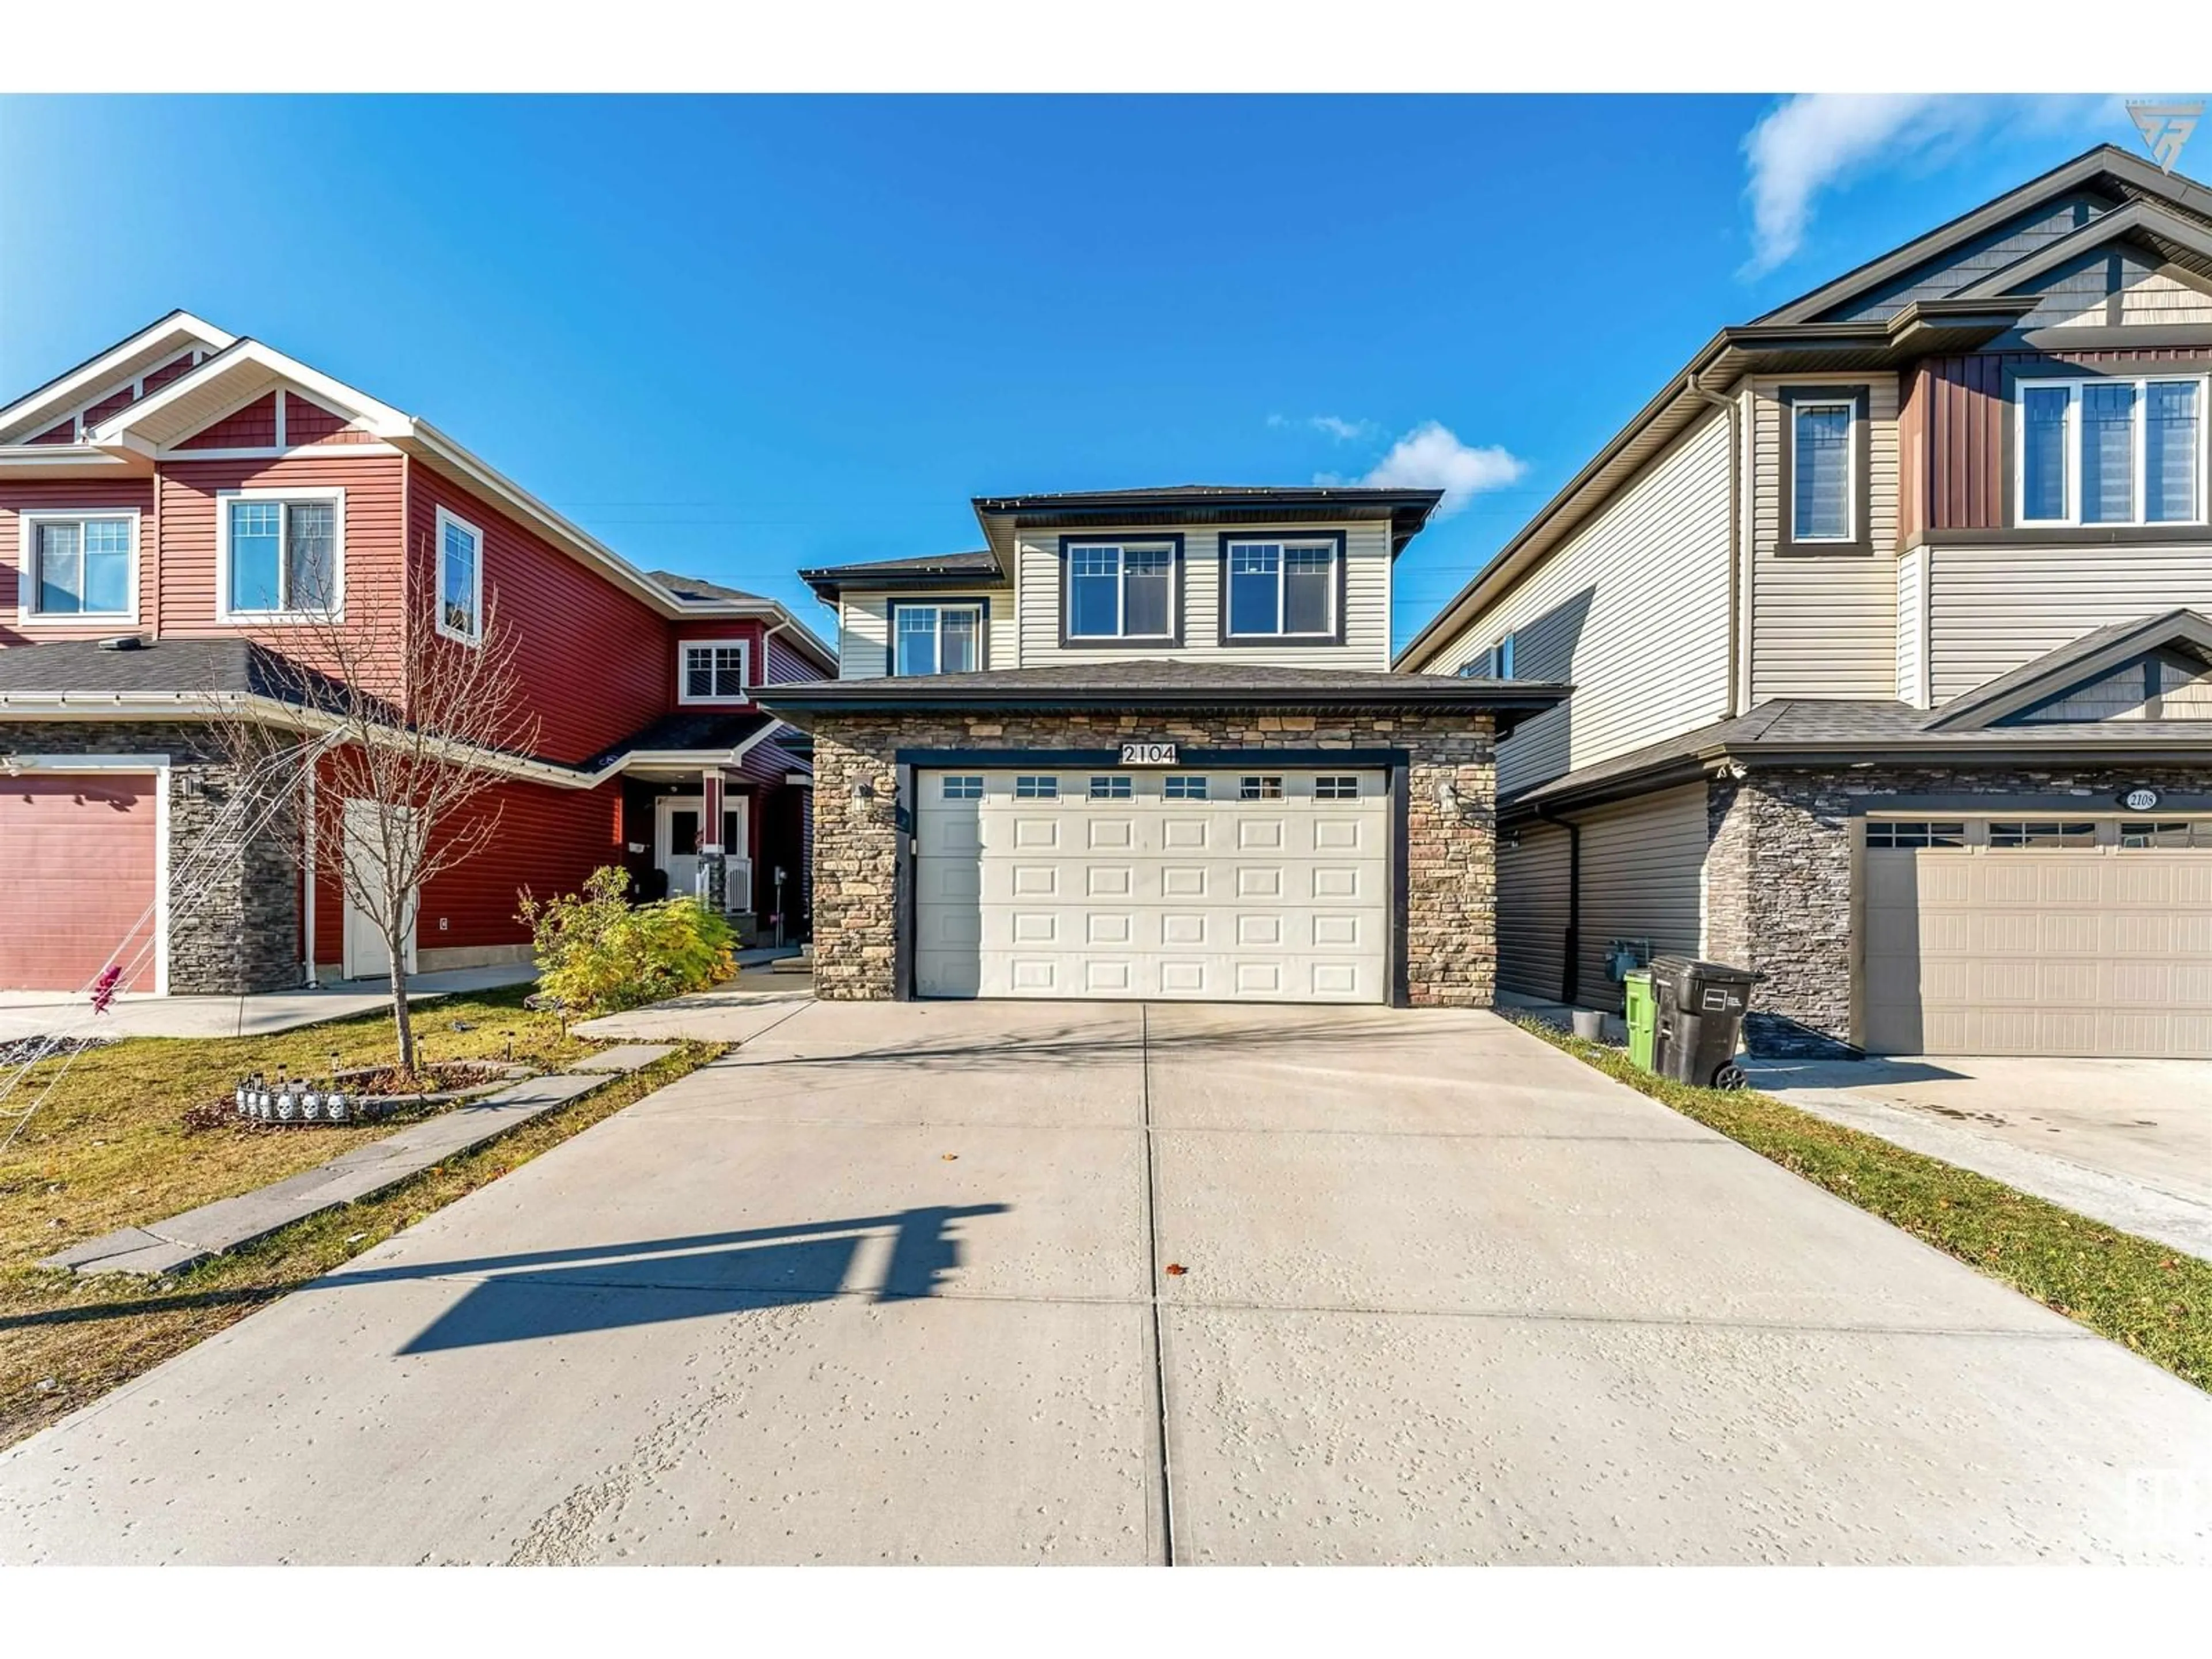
(2145, 1296)
(65, 1341)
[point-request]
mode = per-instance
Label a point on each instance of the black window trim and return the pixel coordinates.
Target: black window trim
(1286, 538)
(982, 602)
(1860, 398)
(1171, 641)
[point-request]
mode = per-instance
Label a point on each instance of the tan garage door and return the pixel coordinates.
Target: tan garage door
(2079, 936)
(77, 854)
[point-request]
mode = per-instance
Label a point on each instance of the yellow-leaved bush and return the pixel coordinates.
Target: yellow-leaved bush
(600, 953)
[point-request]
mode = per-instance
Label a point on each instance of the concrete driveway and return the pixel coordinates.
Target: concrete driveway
(893, 1285)
(2126, 1141)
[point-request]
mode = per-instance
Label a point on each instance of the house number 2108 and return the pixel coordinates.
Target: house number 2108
(1148, 754)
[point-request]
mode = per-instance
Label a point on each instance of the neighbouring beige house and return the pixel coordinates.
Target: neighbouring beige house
(1149, 744)
(1886, 623)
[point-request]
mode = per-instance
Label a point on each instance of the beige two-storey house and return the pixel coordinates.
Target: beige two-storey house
(1149, 744)
(1887, 620)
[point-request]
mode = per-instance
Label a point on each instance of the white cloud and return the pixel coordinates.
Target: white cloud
(1432, 456)
(1817, 140)
(1333, 426)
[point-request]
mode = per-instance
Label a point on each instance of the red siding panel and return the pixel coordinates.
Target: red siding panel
(190, 494)
(168, 372)
(597, 664)
(64, 434)
(32, 495)
(306, 423)
(114, 403)
(254, 426)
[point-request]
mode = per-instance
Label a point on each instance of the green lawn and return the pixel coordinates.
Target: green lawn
(2146, 1296)
(110, 1149)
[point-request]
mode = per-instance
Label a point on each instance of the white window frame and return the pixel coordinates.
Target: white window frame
(684, 650)
(223, 501)
(2141, 383)
(1284, 546)
(1849, 405)
(27, 614)
(1120, 551)
(936, 608)
(474, 634)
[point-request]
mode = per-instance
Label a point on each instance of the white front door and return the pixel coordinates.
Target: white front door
(677, 840)
(1260, 883)
(366, 956)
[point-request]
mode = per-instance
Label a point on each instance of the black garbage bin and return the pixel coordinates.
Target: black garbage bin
(1701, 1007)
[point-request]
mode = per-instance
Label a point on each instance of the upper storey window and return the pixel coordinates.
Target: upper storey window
(936, 639)
(1820, 507)
(2121, 451)
(460, 579)
(1121, 590)
(78, 567)
(278, 553)
(1283, 588)
(713, 671)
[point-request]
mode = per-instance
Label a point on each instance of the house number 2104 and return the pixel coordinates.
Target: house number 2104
(1148, 754)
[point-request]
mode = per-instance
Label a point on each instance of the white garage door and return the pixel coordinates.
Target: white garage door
(1249, 885)
(2082, 936)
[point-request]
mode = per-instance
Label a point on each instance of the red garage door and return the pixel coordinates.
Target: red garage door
(77, 860)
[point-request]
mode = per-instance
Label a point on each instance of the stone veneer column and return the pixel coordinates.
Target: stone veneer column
(1450, 943)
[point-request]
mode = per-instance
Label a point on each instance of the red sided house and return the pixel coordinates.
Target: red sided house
(173, 513)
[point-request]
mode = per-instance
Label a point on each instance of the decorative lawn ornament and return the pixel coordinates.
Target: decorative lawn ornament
(104, 988)
(336, 1106)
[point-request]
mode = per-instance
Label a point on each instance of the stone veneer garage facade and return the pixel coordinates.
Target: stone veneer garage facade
(1435, 740)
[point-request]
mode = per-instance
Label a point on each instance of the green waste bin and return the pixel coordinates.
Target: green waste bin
(1642, 1010)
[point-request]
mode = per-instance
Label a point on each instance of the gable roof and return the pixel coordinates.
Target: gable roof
(1408, 510)
(2106, 169)
(158, 343)
(244, 368)
(2169, 213)
(2095, 655)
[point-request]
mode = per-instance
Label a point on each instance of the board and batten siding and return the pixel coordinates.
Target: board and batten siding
(1992, 609)
(1633, 609)
(864, 629)
(1534, 873)
(1366, 598)
(1643, 878)
(1823, 624)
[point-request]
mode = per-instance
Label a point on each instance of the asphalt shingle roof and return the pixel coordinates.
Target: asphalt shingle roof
(152, 668)
(692, 590)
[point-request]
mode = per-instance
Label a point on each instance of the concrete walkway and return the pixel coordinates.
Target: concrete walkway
(891, 1284)
(171, 1246)
(43, 1013)
(2127, 1142)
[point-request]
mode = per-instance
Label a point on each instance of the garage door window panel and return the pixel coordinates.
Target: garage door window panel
(1914, 833)
(2176, 836)
(2045, 837)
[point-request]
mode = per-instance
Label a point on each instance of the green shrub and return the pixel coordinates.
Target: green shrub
(600, 953)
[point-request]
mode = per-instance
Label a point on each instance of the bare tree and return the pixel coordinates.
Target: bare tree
(384, 719)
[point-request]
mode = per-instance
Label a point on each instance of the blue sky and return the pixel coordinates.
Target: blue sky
(739, 336)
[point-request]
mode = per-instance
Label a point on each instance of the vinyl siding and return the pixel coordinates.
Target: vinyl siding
(1992, 609)
(2078, 294)
(1643, 877)
(1823, 624)
(2016, 241)
(188, 495)
(1633, 609)
(1366, 599)
(596, 663)
(864, 629)
(1912, 633)
(1533, 878)
(254, 426)
(61, 495)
